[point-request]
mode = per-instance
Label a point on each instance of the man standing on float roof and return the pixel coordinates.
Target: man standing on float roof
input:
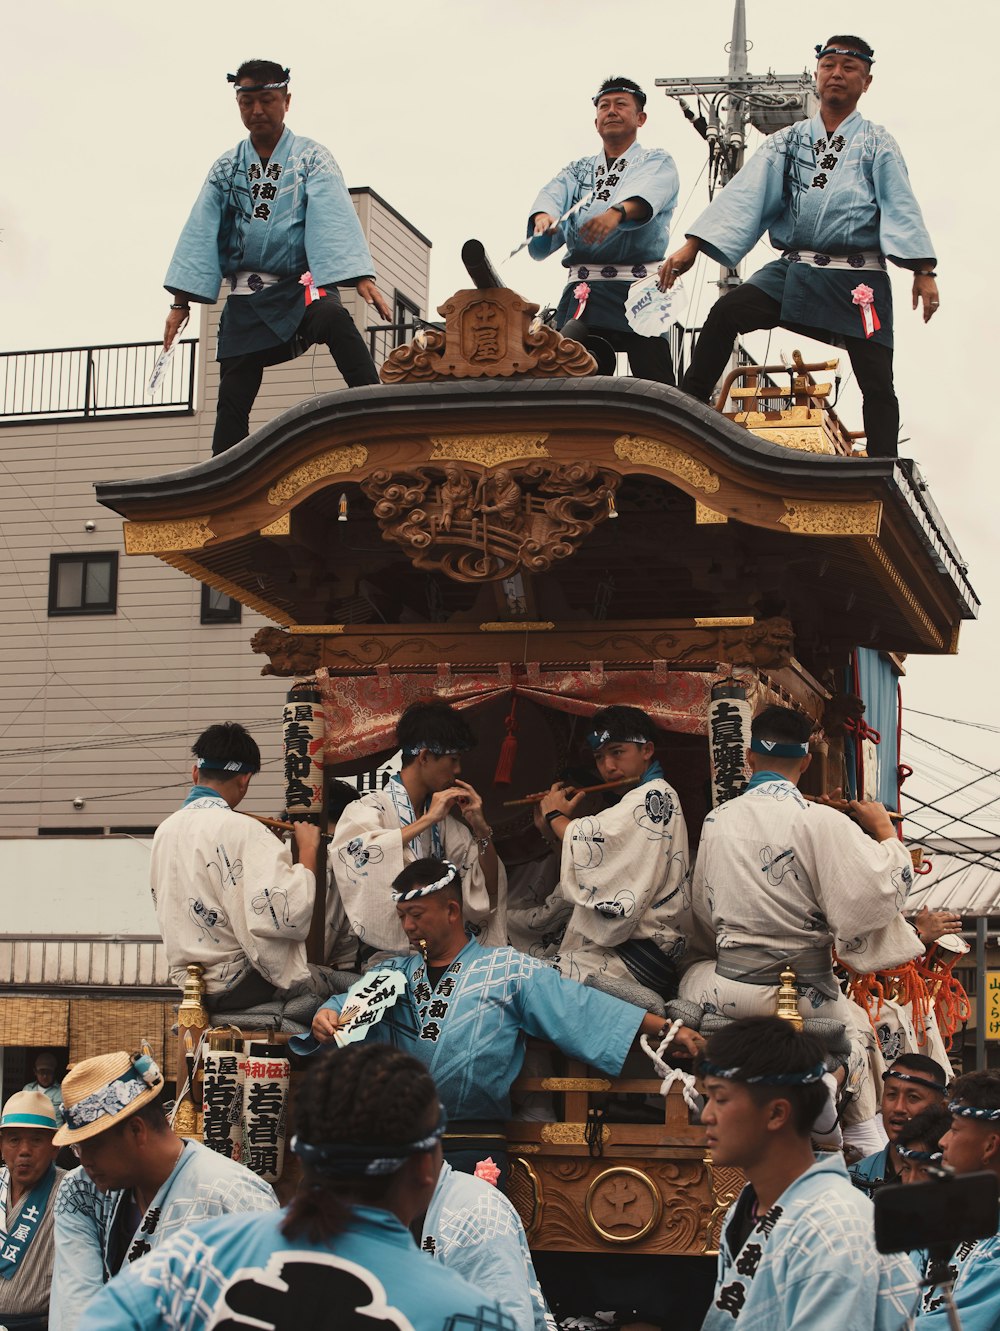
(835, 196)
(617, 236)
(274, 221)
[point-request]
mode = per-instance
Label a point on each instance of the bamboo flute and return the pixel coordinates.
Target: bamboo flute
(844, 806)
(576, 790)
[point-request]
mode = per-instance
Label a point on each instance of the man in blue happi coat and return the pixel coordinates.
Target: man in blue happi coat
(467, 1010)
(624, 198)
(835, 196)
(971, 1145)
(274, 221)
(912, 1084)
(798, 1246)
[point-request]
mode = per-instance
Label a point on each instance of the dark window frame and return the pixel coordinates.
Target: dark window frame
(231, 614)
(404, 310)
(85, 558)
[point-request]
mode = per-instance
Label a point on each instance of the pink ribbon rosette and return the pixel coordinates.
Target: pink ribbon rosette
(581, 293)
(486, 1169)
(313, 292)
(864, 298)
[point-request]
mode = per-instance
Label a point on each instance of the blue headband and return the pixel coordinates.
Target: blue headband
(438, 750)
(821, 51)
(359, 1159)
(968, 1111)
(774, 748)
(921, 1157)
(598, 738)
(917, 1081)
(774, 1079)
(218, 765)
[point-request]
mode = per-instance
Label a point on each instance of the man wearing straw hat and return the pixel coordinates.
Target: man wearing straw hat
(29, 1181)
(138, 1182)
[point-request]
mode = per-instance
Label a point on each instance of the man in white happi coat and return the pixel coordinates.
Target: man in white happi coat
(137, 1184)
(780, 880)
(620, 203)
(414, 817)
(226, 892)
(624, 870)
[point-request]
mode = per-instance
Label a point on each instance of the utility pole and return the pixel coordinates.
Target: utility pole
(726, 105)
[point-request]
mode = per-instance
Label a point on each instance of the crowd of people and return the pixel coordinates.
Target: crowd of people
(275, 226)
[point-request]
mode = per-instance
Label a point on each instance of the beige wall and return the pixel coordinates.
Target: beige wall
(70, 685)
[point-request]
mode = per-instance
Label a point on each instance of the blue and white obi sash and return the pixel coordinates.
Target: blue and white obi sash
(14, 1244)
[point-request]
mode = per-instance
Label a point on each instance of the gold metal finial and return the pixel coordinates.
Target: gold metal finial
(788, 999)
(422, 945)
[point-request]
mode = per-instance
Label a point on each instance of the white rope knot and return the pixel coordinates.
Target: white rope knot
(669, 1074)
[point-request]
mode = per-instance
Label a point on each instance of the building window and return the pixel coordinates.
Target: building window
(83, 584)
(218, 608)
(406, 311)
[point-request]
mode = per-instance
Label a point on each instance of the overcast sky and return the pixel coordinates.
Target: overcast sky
(456, 111)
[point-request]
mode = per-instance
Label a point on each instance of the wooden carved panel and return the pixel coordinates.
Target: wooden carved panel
(488, 334)
(484, 525)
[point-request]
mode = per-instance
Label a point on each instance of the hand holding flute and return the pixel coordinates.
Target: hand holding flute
(871, 817)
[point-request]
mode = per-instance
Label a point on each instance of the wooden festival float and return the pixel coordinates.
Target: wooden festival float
(499, 526)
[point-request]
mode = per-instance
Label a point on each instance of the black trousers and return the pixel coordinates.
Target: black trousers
(240, 377)
(648, 357)
(746, 309)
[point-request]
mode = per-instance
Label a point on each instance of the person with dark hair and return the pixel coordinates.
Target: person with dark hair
(612, 211)
(798, 1246)
(970, 1145)
(368, 1134)
(911, 1084)
(138, 1182)
(275, 222)
(918, 1143)
(46, 1067)
(467, 1011)
(624, 870)
(781, 880)
(226, 892)
(425, 809)
(835, 196)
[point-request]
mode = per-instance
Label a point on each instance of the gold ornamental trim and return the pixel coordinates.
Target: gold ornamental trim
(652, 453)
(723, 621)
(233, 589)
(533, 1218)
(158, 537)
(333, 462)
(575, 1084)
(570, 1134)
(623, 1171)
(490, 450)
(317, 628)
(279, 527)
(704, 515)
(517, 626)
(726, 1184)
(816, 517)
(917, 613)
(808, 440)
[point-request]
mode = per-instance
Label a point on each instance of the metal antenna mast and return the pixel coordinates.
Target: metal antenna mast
(727, 105)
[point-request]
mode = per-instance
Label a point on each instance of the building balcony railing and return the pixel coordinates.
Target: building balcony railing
(81, 383)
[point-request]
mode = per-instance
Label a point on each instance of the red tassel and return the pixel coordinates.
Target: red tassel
(508, 749)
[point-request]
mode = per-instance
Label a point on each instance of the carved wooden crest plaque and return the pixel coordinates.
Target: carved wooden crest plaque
(487, 334)
(481, 525)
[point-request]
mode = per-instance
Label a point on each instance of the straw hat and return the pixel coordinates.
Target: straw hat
(100, 1092)
(29, 1109)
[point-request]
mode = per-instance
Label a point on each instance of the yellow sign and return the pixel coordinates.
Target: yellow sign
(991, 1005)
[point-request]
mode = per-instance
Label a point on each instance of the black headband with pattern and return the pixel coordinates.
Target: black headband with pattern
(915, 1080)
(286, 75)
(961, 1110)
(821, 51)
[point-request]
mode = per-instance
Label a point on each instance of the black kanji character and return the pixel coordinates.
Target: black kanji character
(268, 191)
(819, 182)
(767, 1222)
(253, 172)
(438, 1009)
(447, 987)
(264, 1098)
(422, 993)
(731, 1299)
(262, 211)
(829, 162)
(431, 1032)
(273, 171)
(749, 1259)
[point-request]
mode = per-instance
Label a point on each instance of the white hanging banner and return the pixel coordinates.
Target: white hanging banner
(729, 717)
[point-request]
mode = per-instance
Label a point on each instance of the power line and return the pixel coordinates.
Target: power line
(976, 725)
